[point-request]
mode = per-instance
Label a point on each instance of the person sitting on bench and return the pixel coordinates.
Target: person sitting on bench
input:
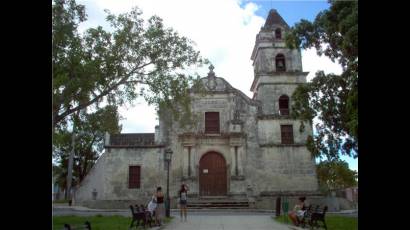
(298, 211)
(152, 205)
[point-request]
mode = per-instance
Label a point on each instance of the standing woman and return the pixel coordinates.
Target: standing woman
(160, 209)
(183, 194)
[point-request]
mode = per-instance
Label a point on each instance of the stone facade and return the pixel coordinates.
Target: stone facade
(258, 165)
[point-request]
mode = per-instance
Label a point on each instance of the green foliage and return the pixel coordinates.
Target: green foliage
(334, 222)
(100, 66)
(334, 175)
(302, 127)
(333, 99)
(335, 27)
(182, 111)
(89, 142)
(311, 145)
(98, 222)
(300, 105)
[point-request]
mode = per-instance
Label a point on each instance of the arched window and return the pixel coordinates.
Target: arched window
(284, 105)
(278, 33)
(280, 63)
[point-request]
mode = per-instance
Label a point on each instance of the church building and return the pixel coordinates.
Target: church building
(238, 148)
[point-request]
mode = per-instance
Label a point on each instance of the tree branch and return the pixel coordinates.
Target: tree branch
(59, 117)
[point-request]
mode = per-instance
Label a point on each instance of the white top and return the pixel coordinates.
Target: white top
(183, 196)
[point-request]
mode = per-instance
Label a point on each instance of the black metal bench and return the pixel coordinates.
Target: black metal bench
(148, 217)
(312, 216)
(85, 226)
(141, 216)
(306, 217)
(318, 215)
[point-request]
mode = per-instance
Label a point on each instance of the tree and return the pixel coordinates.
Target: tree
(335, 175)
(57, 172)
(329, 97)
(89, 142)
(102, 66)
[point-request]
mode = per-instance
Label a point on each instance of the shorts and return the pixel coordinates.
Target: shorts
(300, 213)
(182, 202)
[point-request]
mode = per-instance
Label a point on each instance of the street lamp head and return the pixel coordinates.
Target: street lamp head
(168, 154)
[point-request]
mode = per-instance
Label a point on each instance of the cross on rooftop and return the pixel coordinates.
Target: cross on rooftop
(211, 68)
(211, 71)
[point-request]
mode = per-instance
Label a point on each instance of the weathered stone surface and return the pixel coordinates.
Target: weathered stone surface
(258, 165)
(109, 176)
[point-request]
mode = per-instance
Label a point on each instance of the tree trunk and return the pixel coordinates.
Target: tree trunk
(70, 163)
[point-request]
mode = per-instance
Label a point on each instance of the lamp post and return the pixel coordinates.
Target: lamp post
(168, 156)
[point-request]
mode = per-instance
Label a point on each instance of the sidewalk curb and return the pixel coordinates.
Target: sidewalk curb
(344, 212)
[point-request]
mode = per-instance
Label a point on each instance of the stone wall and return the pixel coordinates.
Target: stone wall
(265, 59)
(93, 181)
(269, 131)
(269, 95)
(264, 163)
(109, 177)
(258, 165)
(269, 202)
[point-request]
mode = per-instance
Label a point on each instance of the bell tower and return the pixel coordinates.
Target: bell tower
(277, 69)
(282, 139)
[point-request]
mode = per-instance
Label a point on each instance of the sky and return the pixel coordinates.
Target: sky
(224, 31)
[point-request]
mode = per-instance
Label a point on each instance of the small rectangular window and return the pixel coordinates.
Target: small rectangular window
(134, 178)
(278, 34)
(211, 122)
(284, 105)
(287, 134)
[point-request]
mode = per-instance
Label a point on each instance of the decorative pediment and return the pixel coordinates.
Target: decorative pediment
(217, 85)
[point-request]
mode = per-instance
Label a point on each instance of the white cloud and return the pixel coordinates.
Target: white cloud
(115, 6)
(311, 63)
(139, 118)
(223, 32)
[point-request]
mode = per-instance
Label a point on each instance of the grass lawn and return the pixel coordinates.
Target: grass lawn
(333, 222)
(98, 222)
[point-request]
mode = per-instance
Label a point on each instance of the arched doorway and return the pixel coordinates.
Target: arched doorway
(212, 175)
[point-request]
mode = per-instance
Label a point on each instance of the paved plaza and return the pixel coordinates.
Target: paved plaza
(238, 221)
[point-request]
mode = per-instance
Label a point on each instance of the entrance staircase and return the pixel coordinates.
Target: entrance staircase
(222, 202)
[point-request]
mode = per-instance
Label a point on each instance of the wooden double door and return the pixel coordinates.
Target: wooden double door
(212, 175)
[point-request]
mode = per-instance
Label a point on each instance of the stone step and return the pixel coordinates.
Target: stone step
(218, 205)
(219, 199)
(213, 203)
(216, 208)
(213, 197)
